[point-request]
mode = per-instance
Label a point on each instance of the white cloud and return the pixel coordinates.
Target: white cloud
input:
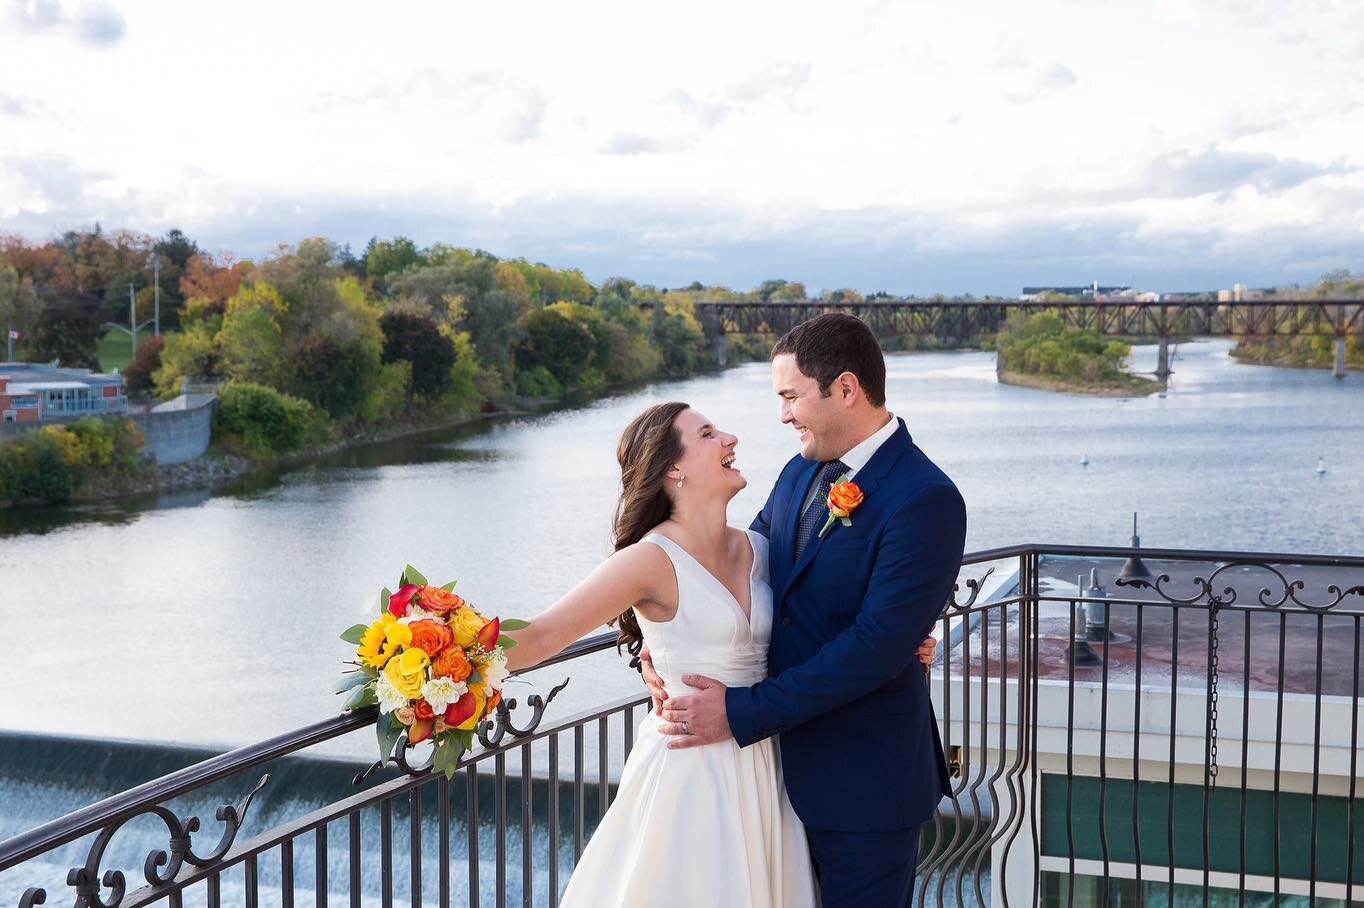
(903, 146)
(96, 23)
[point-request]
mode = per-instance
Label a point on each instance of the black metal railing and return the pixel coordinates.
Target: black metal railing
(1185, 730)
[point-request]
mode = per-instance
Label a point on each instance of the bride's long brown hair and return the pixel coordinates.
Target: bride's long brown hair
(649, 447)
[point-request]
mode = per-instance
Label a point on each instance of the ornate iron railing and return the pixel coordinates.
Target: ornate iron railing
(1195, 729)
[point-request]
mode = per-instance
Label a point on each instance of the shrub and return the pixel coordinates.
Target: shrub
(258, 421)
(33, 467)
(538, 382)
(137, 375)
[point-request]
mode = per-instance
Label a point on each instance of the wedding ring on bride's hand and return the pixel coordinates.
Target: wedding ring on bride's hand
(685, 729)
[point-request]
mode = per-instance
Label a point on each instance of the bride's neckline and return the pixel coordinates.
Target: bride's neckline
(745, 610)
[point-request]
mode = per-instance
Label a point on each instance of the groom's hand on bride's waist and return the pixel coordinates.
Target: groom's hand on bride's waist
(698, 718)
(652, 681)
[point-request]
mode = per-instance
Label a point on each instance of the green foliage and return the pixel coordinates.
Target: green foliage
(388, 396)
(333, 376)
(189, 355)
(562, 344)
(417, 340)
(52, 463)
(259, 421)
(251, 340)
(1041, 344)
(538, 382)
(385, 257)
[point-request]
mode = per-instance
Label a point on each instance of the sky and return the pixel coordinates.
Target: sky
(911, 147)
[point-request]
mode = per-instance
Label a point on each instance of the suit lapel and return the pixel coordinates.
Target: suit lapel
(791, 521)
(867, 479)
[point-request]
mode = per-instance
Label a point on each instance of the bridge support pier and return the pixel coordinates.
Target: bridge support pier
(1338, 370)
(720, 349)
(1163, 360)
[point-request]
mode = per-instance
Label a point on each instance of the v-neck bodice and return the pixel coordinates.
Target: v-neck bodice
(709, 634)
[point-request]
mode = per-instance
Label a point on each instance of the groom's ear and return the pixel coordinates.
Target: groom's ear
(848, 388)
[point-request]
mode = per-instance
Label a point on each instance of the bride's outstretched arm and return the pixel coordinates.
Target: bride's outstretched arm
(627, 578)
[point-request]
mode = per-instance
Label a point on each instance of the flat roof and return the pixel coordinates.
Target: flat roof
(33, 387)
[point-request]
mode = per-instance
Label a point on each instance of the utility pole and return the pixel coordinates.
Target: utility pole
(132, 317)
(9, 337)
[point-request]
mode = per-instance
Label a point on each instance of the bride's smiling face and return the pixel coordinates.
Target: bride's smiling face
(707, 462)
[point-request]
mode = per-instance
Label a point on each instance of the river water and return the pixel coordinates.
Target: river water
(210, 621)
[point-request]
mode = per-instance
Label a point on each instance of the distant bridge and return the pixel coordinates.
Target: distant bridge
(956, 319)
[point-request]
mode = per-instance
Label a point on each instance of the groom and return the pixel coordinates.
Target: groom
(859, 743)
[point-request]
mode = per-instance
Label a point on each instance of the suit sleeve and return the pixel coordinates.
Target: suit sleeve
(762, 524)
(916, 565)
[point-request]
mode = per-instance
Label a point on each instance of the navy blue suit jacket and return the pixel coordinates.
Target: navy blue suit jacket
(859, 742)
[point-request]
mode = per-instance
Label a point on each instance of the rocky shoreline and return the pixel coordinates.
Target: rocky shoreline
(1136, 386)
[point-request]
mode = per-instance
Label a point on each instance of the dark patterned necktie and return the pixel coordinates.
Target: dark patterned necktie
(818, 511)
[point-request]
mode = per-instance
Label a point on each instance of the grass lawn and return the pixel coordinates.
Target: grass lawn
(115, 349)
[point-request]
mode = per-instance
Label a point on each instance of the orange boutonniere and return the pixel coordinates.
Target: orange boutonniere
(844, 498)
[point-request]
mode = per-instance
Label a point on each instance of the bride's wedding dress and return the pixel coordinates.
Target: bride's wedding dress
(700, 826)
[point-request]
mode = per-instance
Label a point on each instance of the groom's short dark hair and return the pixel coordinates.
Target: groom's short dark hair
(828, 345)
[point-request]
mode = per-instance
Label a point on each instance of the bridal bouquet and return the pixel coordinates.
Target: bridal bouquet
(432, 664)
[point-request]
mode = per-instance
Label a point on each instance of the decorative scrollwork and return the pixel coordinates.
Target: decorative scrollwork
(491, 731)
(32, 896)
(1268, 598)
(87, 880)
(490, 734)
(974, 585)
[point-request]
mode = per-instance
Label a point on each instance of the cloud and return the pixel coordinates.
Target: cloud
(1189, 173)
(631, 143)
(1038, 82)
(36, 15)
(16, 106)
(98, 23)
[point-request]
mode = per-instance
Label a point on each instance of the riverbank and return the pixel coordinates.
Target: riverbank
(1126, 386)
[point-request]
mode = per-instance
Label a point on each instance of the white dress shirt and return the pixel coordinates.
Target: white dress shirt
(858, 457)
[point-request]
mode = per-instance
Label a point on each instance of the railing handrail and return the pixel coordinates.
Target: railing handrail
(87, 819)
(1211, 555)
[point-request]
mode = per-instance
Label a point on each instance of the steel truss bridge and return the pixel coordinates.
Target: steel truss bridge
(951, 320)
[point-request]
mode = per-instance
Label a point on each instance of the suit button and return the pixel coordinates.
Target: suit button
(786, 620)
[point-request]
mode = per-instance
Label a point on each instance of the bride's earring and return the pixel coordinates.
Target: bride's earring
(679, 481)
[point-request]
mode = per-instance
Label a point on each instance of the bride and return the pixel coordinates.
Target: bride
(694, 826)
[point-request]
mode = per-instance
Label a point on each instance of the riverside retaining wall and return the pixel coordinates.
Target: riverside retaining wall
(179, 430)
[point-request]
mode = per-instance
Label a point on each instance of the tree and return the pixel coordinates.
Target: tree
(207, 284)
(137, 375)
(67, 329)
(390, 257)
(251, 339)
(333, 375)
(561, 345)
(417, 339)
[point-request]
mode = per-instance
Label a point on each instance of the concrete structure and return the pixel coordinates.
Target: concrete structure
(180, 430)
(33, 392)
(1093, 289)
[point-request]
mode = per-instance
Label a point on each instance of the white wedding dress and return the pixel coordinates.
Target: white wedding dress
(700, 826)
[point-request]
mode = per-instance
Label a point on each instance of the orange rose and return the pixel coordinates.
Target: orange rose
(452, 664)
(491, 705)
(431, 636)
(844, 497)
(422, 710)
(435, 599)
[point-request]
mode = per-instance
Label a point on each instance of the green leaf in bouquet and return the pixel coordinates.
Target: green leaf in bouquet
(515, 624)
(385, 594)
(465, 736)
(361, 697)
(505, 642)
(450, 587)
(412, 575)
(446, 757)
(387, 728)
(351, 680)
(354, 633)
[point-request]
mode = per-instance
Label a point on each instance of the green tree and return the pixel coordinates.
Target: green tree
(417, 339)
(251, 339)
(557, 343)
